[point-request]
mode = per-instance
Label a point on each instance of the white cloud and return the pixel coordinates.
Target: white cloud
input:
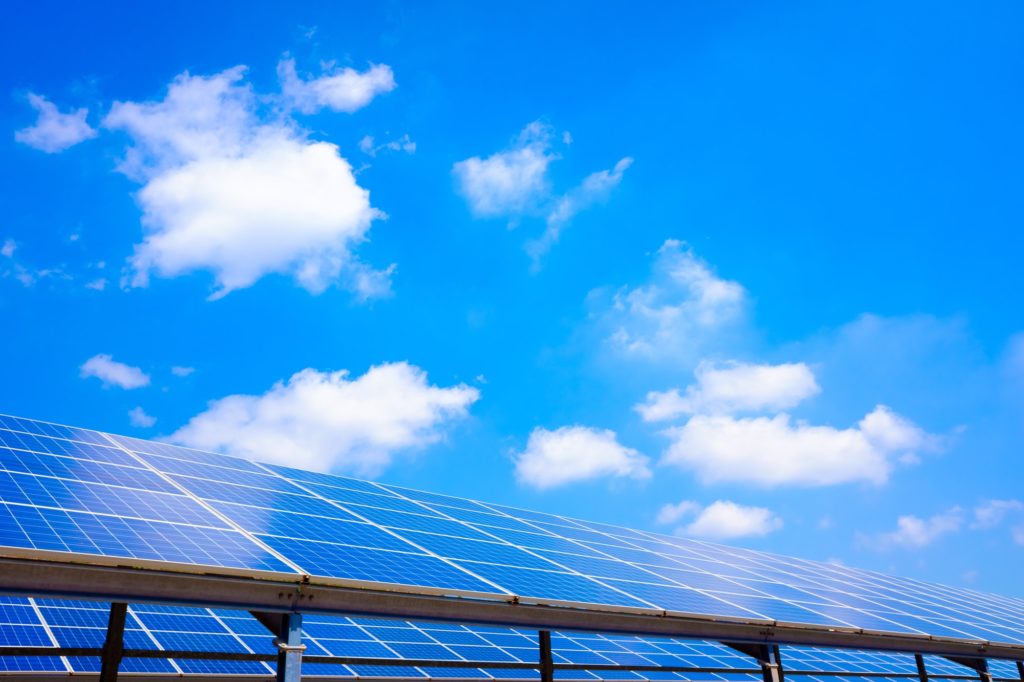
(329, 421)
(594, 189)
(776, 451)
(98, 284)
(514, 183)
(345, 90)
(914, 532)
(576, 453)
(508, 182)
(138, 417)
(724, 520)
(405, 144)
(992, 512)
(8, 248)
(734, 387)
(1017, 533)
(113, 373)
(53, 131)
(684, 309)
(180, 371)
(229, 190)
(670, 513)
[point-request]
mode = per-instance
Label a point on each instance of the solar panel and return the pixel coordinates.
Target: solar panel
(82, 624)
(78, 491)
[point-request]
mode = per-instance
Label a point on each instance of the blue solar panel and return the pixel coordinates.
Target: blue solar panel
(73, 490)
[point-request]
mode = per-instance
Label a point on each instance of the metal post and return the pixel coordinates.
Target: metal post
(983, 674)
(777, 659)
(1020, 670)
(547, 664)
(922, 672)
(113, 645)
(290, 648)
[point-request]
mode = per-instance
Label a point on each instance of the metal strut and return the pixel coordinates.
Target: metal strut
(978, 665)
(113, 645)
(768, 658)
(547, 664)
(922, 672)
(1020, 670)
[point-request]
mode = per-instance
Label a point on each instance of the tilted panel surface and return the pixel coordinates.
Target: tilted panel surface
(327, 526)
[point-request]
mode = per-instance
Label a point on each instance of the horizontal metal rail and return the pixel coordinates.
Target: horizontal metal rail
(31, 651)
(34, 577)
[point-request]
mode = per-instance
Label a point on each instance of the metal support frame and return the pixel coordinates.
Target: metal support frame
(287, 631)
(547, 663)
(922, 671)
(768, 657)
(977, 664)
(113, 645)
(1020, 670)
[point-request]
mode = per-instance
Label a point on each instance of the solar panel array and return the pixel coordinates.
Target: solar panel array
(66, 623)
(75, 490)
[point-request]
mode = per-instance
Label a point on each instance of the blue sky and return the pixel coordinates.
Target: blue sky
(749, 272)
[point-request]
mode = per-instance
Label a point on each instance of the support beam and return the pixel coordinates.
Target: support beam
(1020, 670)
(547, 664)
(113, 645)
(777, 656)
(771, 670)
(47, 578)
(978, 665)
(290, 648)
(922, 672)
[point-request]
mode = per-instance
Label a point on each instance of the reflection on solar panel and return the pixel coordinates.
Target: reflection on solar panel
(77, 491)
(67, 623)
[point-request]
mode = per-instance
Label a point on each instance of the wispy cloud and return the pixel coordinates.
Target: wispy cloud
(54, 131)
(113, 373)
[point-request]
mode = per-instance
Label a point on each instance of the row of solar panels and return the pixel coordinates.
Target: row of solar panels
(65, 623)
(84, 492)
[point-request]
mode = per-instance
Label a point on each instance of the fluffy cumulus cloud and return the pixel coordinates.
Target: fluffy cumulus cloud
(345, 90)
(330, 421)
(576, 453)
(683, 310)
(234, 190)
(778, 451)
(54, 131)
(514, 183)
(913, 532)
(113, 373)
(734, 387)
(721, 520)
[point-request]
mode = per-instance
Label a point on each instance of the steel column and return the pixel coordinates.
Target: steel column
(922, 672)
(290, 648)
(1020, 670)
(547, 664)
(777, 660)
(113, 645)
